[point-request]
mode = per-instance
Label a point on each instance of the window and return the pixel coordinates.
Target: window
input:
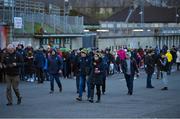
(45, 41)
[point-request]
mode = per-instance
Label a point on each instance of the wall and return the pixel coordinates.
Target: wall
(76, 43)
(134, 42)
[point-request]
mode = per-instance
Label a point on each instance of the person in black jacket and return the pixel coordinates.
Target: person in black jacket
(149, 68)
(12, 63)
(20, 50)
(84, 71)
(129, 68)
(96, 76)
(39, 61)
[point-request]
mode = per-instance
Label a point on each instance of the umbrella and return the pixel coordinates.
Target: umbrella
(122, 54)
(65, 49)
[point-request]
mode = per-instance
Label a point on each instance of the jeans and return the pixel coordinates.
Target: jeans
(81, 85)
(164, 78)
(149, 77)
(52, 78)
(77, 82)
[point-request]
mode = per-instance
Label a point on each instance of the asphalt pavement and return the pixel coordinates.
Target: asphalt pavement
(146, 103)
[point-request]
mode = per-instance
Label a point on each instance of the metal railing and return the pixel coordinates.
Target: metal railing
(34, 22)
(37, 21)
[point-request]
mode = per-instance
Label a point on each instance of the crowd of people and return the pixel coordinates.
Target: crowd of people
(90, 67)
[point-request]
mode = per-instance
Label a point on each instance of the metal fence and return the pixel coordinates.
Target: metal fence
(36, 22)
(39, 22)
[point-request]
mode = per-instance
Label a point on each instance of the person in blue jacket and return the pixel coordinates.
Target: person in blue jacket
(55, 66)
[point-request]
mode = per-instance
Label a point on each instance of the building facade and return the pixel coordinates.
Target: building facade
(134, 35)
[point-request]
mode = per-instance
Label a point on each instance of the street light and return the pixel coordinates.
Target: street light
(177, 16)
(66, 7)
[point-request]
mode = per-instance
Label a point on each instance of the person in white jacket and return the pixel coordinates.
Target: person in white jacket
(178, 59)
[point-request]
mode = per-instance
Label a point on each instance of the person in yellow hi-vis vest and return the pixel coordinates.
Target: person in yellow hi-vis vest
(169, 58)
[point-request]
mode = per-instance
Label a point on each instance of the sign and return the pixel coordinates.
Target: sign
(8, 3)
(18, 23)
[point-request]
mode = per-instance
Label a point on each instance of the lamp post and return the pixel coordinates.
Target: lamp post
(66, 10)
(142, 12)
(177, 14)
(11, 20)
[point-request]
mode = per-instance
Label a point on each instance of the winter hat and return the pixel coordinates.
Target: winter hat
(84, 51)
(10, 46)
(128, 53)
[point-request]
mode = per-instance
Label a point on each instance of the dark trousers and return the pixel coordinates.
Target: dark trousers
(169, 68)
(148, 83)
(98, 91)
(12, 82)
(158, 72)
(40, 74)
(46, 74)
(104, 84)
(178, 64)
(129, 82)
(55, 77)
(22, 73)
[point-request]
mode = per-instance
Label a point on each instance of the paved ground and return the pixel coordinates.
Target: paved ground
(37, 102)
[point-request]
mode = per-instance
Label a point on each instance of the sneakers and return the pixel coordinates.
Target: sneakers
(9, 104)
(51, 92)
(165, 88)
(91, 101)
(32, 80)
(129, 93)
(98, 101)
(19, 100)
(79, 99)
(150, 87)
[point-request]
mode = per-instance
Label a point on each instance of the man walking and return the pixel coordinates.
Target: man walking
(129, 68)
(12, 62)
(84, 70)
(149, 68)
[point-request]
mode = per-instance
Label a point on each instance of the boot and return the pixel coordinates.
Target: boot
(19, 100)
(99, 99)
(91, 100)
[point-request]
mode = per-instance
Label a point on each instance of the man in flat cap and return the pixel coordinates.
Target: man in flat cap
(12, 62)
